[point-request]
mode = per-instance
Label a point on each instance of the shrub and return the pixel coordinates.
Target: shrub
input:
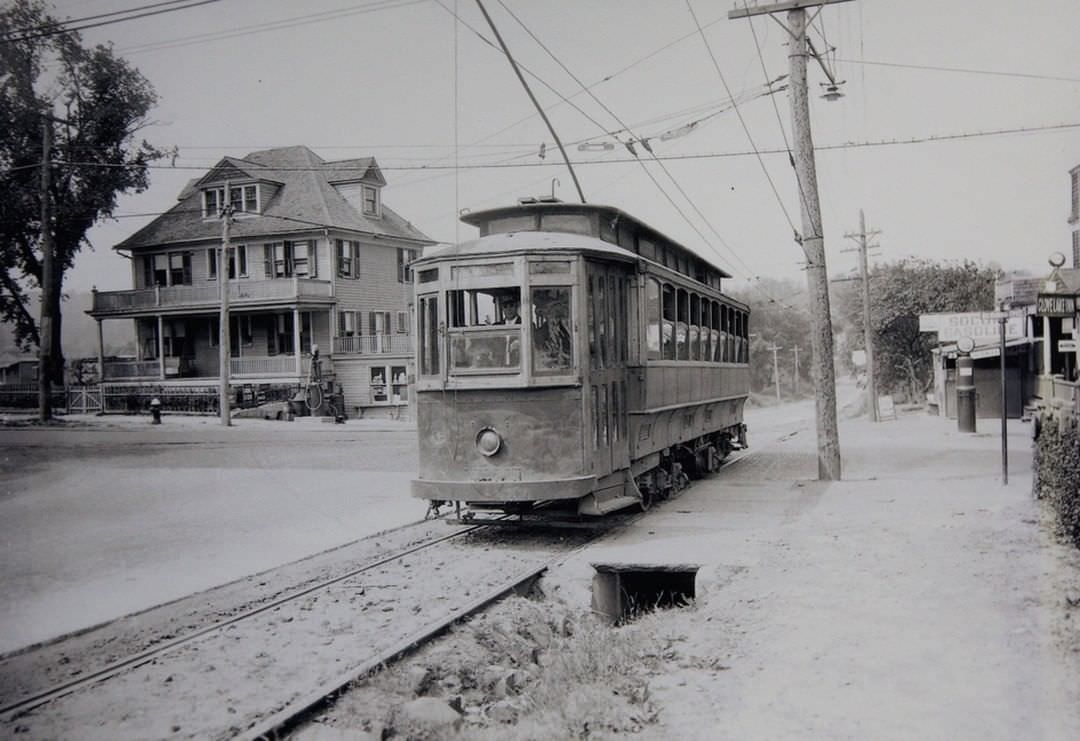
(1057, 471)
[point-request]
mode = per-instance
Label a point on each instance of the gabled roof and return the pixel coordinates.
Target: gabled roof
(1068, 278)
(305, 199)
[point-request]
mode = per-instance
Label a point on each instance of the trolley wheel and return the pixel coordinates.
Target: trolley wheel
(313, 397)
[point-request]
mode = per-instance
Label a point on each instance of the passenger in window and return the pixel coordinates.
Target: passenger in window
(510, 310)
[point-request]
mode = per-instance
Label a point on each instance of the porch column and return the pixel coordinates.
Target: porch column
(296, 337)
(332, 330)
(100, 352)
(161, 346)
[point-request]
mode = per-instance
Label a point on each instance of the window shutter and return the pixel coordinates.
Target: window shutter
(355, 247)
(313, 258)
(187, 268)
(268, 260)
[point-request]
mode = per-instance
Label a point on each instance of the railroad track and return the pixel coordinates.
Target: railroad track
(253, 673)
(246, 675)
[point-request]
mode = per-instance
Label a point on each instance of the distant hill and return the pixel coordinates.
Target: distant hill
(79, 333)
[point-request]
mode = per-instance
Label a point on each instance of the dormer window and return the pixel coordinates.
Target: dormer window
(371, 200)
(211, 203)
(244, 200)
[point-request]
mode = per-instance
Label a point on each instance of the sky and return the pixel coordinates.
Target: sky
(911, 143)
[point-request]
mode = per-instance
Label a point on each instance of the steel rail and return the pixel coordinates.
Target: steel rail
(15, 709)
(287, 717)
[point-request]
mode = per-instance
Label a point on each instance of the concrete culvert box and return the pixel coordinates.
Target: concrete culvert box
(620, 591)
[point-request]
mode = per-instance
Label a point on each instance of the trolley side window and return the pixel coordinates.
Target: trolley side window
(429, 335)
(652, 311)
(552, 342)
(669, 322)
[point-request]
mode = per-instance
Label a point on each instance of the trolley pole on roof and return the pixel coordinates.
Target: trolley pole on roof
(225, 354)
(813, 242)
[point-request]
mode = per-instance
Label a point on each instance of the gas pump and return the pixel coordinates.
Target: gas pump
(965, 385)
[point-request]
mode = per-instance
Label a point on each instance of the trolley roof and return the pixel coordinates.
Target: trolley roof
(610, 224)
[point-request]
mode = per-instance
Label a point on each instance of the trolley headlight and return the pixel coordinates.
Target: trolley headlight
(488, 442)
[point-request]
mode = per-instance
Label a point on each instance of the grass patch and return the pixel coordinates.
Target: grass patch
(524, 670)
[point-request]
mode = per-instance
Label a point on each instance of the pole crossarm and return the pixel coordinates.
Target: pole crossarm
(780, 7)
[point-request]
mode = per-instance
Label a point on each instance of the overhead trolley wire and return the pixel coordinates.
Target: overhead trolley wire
(630, 148)
(936, 138)
(61, 28)
(742, 120)
(284, 23)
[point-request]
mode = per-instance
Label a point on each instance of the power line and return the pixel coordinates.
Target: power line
(69, 21)
(615, 161)
(746, 128)
(296, 21)
(965, 70)
(627, 129)
(70, 29)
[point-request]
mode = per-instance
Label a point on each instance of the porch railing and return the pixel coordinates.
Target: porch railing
(241, 292)
(123, 369)
(398, 344)
(274, 365)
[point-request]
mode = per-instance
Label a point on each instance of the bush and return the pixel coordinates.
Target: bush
(1057, 471)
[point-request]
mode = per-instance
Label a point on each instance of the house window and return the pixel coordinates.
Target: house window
(389, 384)
(211, 204)
(403, 322)
(175, 339)
(237, 262)
(240, 333)
(279, 338)
(244, 199)
(277, 260)
(404, 257)
(167, 269)
(348, 323)
(304, 259)
(371, 200)
(348, 258)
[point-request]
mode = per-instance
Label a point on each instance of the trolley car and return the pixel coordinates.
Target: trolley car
(572, 355)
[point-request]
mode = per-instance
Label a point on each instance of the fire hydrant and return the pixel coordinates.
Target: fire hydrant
(155, 410)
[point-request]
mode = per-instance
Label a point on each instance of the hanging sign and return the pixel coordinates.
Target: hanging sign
(1050, 304)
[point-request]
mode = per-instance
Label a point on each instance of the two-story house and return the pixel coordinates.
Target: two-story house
(316, 258)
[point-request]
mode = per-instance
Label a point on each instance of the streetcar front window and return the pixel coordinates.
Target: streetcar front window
(485, 329)
(552, 344)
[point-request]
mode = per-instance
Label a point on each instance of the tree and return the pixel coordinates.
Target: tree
(899, 293)
(89, 104)
(778, 316)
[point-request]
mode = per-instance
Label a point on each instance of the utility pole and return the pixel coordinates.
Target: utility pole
(868, 330)
(776, 367)
(813, 241)
(225, 355)
(48, 290)
(796, 351)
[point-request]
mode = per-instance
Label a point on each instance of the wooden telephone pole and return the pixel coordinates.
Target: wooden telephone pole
(813, 241)
(48, 289)
(224, 336)
(774, 349)
(868, 329)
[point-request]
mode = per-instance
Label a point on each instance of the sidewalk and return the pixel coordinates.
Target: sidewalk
(917, 598)
(202, 422)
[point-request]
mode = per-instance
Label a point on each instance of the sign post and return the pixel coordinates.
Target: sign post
(1004, 410)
